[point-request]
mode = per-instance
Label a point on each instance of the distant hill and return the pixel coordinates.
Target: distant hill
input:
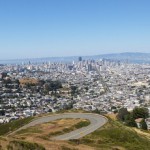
(124, 57)
(130, 57)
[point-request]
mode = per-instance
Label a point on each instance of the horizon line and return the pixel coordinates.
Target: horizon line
(14, 59)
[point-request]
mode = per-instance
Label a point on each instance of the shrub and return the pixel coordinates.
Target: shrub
(11, 126)
(22, 145)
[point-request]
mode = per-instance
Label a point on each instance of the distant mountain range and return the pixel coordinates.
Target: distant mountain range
(130, 57)
(125, 57)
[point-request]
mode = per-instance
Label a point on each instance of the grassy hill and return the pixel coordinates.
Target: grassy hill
(112, 136)
(22, 145)
(116, 136)
(11, 126)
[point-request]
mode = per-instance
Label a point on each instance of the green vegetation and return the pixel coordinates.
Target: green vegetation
(67, 148)
(71, 111)
(22, 145)
(122, 114)
(114, 134)
(140, 112)
(36, 129)
(30, 130)
(2, 112)
(56, 133)
(11, 126)
(143, 125)
(52, 86)
(74, 91)
(129, 117)
(80, 124)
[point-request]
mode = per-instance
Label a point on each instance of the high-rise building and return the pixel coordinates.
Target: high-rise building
(80, 58)
(89, 67)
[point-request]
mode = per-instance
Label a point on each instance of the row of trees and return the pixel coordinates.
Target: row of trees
(129, 117)
(74, 91)
(52, 86)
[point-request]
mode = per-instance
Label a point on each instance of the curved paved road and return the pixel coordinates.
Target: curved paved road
(96, 122)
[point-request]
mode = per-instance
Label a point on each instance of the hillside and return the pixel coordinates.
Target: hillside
(112, 136)
(115, 135)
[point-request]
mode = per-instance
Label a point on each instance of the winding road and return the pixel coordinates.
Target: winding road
(96, 122)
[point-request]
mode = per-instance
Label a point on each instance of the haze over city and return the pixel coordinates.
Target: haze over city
(74, 75)
(46, 28)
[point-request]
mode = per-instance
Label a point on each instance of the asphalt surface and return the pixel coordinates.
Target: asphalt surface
(96, 122)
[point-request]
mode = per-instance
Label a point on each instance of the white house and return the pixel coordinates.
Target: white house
(148, 123)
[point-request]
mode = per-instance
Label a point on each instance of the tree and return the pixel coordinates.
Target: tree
(17, 81)
(4, 74)
(52, 86)
(47, 87)
(143, 125)
(86, 88)
(130, 121)
(140, 112)
(122, 114)
(41, 82)
(2, 112)
(74, 90)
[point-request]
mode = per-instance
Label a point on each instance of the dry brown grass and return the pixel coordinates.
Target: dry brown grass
(143, 133)
(47, 128)
(112, 116)
(28, 81)
(3, 143)
(39, 134)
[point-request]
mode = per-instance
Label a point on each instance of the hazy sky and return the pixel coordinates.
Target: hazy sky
(46, 28)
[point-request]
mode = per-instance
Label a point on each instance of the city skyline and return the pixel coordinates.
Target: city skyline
(35, 29)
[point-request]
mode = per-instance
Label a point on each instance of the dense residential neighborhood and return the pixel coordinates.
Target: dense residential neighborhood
(102, 86)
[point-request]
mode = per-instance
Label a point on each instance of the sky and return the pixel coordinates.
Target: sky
(56, 28)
